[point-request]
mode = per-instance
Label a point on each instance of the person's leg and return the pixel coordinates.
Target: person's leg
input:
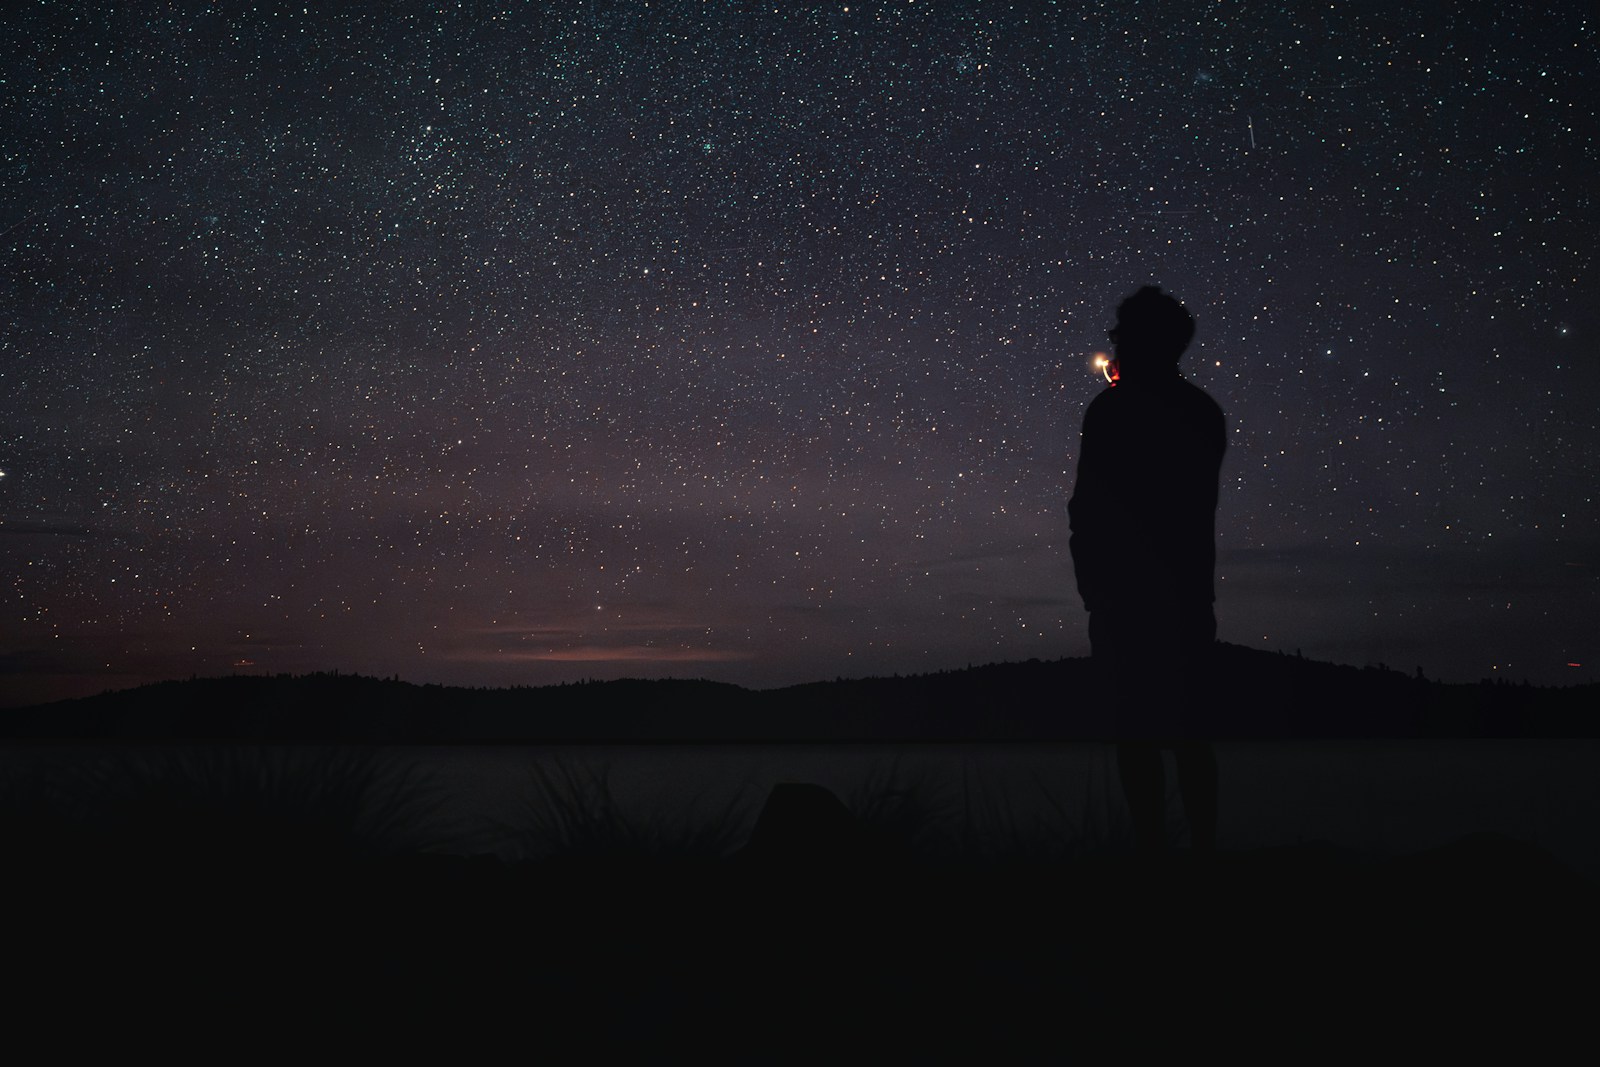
(1144, 786)
(1197, 783)
(1196, 759)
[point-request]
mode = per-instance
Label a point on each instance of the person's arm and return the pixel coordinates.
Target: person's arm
(1091, 556)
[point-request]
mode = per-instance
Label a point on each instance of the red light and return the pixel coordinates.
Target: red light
(1107, 366)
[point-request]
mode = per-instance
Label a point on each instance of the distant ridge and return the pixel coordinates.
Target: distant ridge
(1268, 696)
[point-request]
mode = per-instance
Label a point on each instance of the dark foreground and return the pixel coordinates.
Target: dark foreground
(808, 953)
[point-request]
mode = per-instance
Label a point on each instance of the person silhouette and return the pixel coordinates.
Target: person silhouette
(1142, 518)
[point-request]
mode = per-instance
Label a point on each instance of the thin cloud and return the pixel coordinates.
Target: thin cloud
(603, 654)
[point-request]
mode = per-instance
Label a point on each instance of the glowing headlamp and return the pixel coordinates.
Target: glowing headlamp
(1107, 366)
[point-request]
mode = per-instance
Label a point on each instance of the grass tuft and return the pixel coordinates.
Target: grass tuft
(238, 806)
(570, 812)
(905, 810)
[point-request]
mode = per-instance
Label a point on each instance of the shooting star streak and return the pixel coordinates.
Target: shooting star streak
(1250, 124)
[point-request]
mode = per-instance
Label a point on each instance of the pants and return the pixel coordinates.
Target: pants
(1155, 669)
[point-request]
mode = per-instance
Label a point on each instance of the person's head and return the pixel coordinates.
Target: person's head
(1151, 333)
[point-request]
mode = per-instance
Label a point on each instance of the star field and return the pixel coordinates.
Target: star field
(492, 343)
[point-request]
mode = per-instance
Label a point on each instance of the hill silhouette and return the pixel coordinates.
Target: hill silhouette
(1268, 696)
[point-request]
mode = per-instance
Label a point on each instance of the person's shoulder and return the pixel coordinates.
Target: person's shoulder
(1105, 398)
(1200, 398)
(1108, 408)
(1194, 390)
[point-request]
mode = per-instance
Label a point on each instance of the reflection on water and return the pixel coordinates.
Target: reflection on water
(1383, 797)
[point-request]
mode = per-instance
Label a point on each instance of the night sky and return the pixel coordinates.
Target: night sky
(493, 343)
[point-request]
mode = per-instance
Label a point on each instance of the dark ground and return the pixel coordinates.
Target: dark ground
(810, 945)
(809, 954)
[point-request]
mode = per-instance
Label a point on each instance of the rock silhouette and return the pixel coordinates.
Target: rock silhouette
(802, 823)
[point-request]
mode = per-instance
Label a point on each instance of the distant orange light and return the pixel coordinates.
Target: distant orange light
(1574, 664)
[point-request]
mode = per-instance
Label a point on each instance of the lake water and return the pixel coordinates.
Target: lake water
(1381, 797)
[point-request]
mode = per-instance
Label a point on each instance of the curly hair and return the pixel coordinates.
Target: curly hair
(1158, 326)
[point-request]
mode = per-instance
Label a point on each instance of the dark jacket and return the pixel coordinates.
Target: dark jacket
(1143, 511)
